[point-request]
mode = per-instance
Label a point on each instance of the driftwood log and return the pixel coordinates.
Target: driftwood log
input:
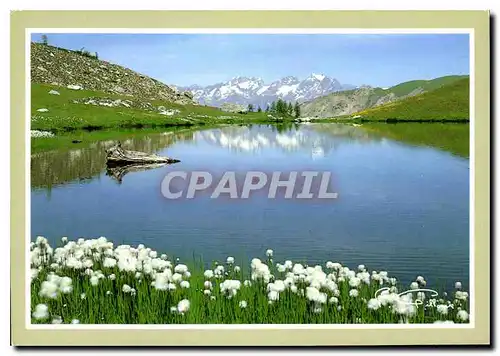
(117, 156)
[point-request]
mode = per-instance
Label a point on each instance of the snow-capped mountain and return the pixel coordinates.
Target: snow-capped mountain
(252, 90)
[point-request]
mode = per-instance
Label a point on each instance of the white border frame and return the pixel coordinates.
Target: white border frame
(374, 31)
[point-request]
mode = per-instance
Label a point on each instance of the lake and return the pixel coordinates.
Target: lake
(402, 207)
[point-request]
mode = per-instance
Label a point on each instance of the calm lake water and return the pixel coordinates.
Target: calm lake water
(401, 208)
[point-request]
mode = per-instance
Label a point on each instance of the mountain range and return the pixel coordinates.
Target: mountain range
(253, 90)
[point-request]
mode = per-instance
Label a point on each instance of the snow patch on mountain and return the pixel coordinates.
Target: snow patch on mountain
(253, 90)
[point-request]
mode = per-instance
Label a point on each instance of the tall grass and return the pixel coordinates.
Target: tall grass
(126, 285)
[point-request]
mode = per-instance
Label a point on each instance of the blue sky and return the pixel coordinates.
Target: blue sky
(184, 59)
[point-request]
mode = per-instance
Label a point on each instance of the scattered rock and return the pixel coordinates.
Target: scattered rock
(170, 112)
(54, 92)
(74, 87)
(43, 110)
(188, 94)
(38, 134)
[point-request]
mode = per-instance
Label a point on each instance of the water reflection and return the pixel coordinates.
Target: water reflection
(49, 169)
(317, 139)
(118, 172)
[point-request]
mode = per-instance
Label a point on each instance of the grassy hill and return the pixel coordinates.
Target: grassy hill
(346, 103)
(449, 102)
(407, 88)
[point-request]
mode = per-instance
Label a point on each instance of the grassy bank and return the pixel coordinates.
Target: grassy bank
(92, 110)
(91, 281)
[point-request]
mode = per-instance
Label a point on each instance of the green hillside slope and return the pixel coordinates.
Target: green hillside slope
(448, 103)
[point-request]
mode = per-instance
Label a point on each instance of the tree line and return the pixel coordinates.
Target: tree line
(280, 107)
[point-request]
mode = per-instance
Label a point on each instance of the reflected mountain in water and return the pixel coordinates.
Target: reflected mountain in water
(54, 168)
(313, 138)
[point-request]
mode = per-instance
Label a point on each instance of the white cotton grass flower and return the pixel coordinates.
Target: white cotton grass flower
(461, 295)
(442, 309)
(112, 277)
(237, 269)
(420, 280)
(273, 296)
(462, 315)
(354, 282)
(230, 260)
(126, 288)
(243, 304)
(230, 287)
(109, 262)
(315, 295)
(49, 289)
(281, 268)
(278, 286)
(421, 296)
(181, 269)
(414, 285)
(458, 285)
(184, 284)
(34, 273)
(177, 277)
(353, 293)
(57, 320)
(374, 304)
(209, 274)
(94, 280)
(247, 283)
(361, 268)
(269, 253)
(65, 285)
(75, 321)
(333, 300)
(41, 312)
(207, 292)
(183, 306)
(207, 285)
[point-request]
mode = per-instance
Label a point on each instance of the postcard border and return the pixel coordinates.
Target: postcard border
(477, 20)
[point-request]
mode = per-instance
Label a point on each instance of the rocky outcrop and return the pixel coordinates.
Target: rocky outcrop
(75, 70)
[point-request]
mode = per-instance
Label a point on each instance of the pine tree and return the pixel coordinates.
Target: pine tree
(290, 109)
(280, 106)
(259, 109)
(45, 40)
(250, 107)
(267, 108)
(273, 107)
(297, 109)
